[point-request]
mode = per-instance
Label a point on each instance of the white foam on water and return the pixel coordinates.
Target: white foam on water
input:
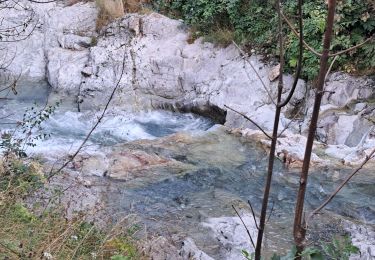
(67, 129)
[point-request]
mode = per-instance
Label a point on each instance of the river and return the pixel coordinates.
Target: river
(201, 170)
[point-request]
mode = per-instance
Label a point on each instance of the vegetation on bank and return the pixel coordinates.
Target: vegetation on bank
(32, 229)
(36, 232)
(253, 24)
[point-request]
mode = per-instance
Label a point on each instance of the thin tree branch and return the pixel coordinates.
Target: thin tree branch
(297, 34)
(290, 122)
(338, 189)
(352, 48)
(256, 72)
(269, 216)
(271, 159)
(316, 52)
(247, 230)
(249, 119)
(43, 2)
(299, 230)
(253, 213)
(300, 58)
(96, 124)
(330, 68)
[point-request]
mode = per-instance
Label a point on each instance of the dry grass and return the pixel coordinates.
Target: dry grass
(25, 235)
(108, 11)
(222, 37)
(102, 20)
(133, 6)
(114, 8)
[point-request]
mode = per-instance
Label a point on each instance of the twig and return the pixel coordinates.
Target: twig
(352, 48)
(269, 216)
(333, 194)
(256, 72)
(249, 119)
(290, 122)
(10, 249)
(330, 68)
(81, 242)
(253, 213)
(117, 226)
(294, 117)
(96, 124)
(247, 230)
(297, 34)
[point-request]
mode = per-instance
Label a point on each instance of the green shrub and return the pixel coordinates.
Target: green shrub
(254, 24)
(29, 231)
(355, 22)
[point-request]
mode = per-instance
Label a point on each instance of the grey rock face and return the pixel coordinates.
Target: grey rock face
(346, 89)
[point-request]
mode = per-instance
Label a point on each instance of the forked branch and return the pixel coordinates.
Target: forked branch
(352, 48)
(307, 46)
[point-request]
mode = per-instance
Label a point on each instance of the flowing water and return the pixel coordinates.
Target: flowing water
(215, 170)
(67, 127)
(230, 171)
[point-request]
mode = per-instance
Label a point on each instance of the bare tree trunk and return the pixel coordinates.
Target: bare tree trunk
(271, 159)
(267, 188)
(299, 229)
(279, 106)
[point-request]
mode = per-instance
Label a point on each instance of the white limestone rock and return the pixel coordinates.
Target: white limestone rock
(64, 68)
(232, 235)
